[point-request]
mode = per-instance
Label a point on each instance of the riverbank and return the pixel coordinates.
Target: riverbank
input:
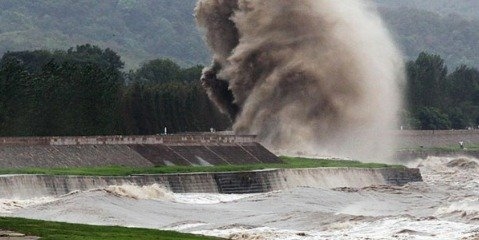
(286, 162)
(59, 230)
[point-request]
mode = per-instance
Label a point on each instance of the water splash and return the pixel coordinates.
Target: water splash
(316, 76)
(154, 191)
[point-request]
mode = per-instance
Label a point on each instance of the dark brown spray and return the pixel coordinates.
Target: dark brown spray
(311, 76)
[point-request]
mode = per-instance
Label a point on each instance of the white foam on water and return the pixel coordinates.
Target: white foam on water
(148, 192)
(184, 226)
(159, 192)
(394, 228)
(208, 198)
(406, 228)
(468, 207)
(10, 205)
(444, 206)
(154, 191)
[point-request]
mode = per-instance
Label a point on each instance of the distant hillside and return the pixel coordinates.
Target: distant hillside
(141, 30)
(451, 36)
(137, 29)
(468, 9)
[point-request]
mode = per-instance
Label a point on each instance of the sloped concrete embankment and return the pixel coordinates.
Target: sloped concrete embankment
(443, 143)
(135, 151)
(30, 186)
(410, 139)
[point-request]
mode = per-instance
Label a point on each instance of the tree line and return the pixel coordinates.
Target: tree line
(83, 91)
(439, 99)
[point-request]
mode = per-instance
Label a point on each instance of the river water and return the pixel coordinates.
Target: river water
(444, 206)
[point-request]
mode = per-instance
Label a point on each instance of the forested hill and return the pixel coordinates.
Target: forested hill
(444, 27)
(451, 36)
(468, 9)
(140, 30)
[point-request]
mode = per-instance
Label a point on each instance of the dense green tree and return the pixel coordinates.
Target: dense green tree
(138, 110)
(464, 85)
(464, 93)
(15, 99)
(434, 97)
(459, 119)
(433, 119)
(82, 91)
(192, 74)
(61, 93)
(178, 106)
(427, 82)
(93, 54)
(159, 71)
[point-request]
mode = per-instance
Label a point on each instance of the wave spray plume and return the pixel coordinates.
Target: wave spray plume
(311, 76)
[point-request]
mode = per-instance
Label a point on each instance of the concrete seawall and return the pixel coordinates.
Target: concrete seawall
(437, 143)
(436, 139)
(29, 186)
(197, 149)
(189, 138)
(202, 149)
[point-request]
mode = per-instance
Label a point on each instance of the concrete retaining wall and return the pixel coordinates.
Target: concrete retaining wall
(139, 155)
(28, 186)
(70, 156)
(443, 143)
(198, 138)
(136, 151)
(441, 138)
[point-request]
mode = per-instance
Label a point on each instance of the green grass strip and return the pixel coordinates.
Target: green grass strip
(448, 148)
(57, 230)
(287, 162)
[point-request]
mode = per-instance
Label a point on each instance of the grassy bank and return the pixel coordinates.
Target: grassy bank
(57, 230)
(287, 162)
(468, 147)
